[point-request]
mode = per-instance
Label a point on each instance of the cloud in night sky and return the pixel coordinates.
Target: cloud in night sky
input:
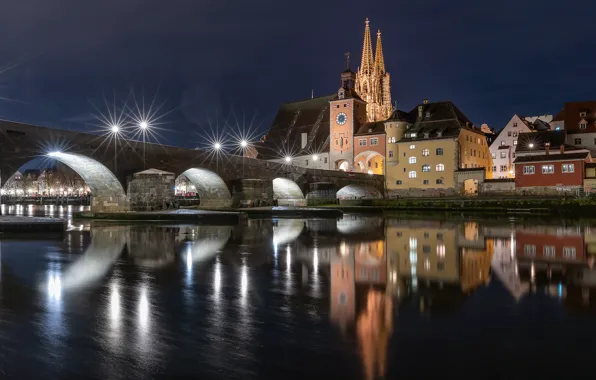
(493, 59)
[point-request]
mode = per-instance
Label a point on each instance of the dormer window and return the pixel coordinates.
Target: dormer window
(439, 133)
(582, 114)
(583, 124)
(426, 134)
(413, 134)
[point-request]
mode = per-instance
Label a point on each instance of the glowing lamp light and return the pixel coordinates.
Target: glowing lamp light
(115, 128)
(288, 158)
(531, 145)
(244, 143)
(54, 153)
(70, 189)
(81, 190)
(217, 146)
(61, 189)
(370, 172)
(315, 158)
(144, 125)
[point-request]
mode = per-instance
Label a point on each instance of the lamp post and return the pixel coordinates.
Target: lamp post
(115, 129)
(243, 148)
(144, 126)
(217, 147)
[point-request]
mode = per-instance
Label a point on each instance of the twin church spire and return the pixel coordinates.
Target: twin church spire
(372, 81)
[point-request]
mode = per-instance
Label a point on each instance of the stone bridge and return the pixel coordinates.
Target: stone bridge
(221, 180)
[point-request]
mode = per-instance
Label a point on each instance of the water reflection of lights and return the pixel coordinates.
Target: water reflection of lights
(144, 309)
(54, 286)
(315, 260)
(244, 284)
(115, 305)
(217, 281)
(288, 259)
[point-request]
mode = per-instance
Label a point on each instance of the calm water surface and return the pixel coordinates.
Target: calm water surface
(360, 298)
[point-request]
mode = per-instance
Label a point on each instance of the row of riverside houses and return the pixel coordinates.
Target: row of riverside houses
(545, 154)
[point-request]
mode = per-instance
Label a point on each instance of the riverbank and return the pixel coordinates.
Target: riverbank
(522, 205)
(183, 215)
(292, 212)
(31, 225)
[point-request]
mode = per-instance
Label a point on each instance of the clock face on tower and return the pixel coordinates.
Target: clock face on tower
(341, 118)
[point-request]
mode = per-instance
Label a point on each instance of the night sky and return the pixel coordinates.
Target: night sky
(208, 60)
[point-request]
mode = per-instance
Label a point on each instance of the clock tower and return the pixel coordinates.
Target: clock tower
(347, 114)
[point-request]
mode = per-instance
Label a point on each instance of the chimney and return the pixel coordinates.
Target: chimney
(420, 108)
(562, 147)
(547, 148)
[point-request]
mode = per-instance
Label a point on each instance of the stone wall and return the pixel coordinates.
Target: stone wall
(496, 187)
(252, 193)
(320, 193)
(421, 193)
(548, 190)
(151, 190)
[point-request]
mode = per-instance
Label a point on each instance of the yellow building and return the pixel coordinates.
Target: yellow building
(423, 251)
(441, 154)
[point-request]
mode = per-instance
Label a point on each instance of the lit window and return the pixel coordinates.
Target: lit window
(362, 142)
(494, 156)
(503, 154)
(503, 168)
(514, 142)
(549, 251)
(514, 134)
(412, 146)
(568, 168)
(412, 160)
(502, 143)
(374, 141)
(569, 252)
(425, 168)
(412, 174)
(440, 249)
(413, 243)
(548, 169)
(529, 169)
(530, 250)
(440, 168)
(425, 152)
(439, 151)
(390, 153)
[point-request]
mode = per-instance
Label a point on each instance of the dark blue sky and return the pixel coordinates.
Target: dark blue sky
(493, 59)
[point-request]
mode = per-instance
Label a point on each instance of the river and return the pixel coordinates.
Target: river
(364, 297)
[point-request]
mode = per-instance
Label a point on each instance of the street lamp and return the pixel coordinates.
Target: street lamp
(531, 145)
(315, 158)
(288, 159)
(244, 143)
(115, 128)
(54, 153)
(217, 146)
(144, 127)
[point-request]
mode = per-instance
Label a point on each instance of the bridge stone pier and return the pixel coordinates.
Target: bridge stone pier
(221, 180)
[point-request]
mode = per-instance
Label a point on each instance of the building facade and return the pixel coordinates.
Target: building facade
(578, 119)
(547, 173)
(440, 142)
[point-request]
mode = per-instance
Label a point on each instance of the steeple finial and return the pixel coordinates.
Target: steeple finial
(348, 60)
(367, 56)
(379, 59)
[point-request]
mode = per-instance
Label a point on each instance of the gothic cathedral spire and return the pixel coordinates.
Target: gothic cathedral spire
(372, 81)
(367, 54)
(379, 59)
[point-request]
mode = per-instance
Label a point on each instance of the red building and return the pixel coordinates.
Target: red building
(563, 171)
(563, 247)
(369, 148)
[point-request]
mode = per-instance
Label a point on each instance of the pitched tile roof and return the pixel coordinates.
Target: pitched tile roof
(552, 157)
(439, 120)
(309, 116)
(539, 138)
(571, 115)
(373, 128)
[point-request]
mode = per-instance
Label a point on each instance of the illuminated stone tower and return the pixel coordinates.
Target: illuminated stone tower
(372, 81)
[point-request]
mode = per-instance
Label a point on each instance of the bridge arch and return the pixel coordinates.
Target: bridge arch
(358, 192)
(288, 193)
(106, 190)
(211, 188)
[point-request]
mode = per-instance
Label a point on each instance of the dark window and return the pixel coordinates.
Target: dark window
(398, 182)
(439, 151)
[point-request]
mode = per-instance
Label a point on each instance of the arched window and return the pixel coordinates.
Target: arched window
(425, 152)
(412, 174)
(425, 168)
(439, 151)
(412, 160)
(440, 168)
